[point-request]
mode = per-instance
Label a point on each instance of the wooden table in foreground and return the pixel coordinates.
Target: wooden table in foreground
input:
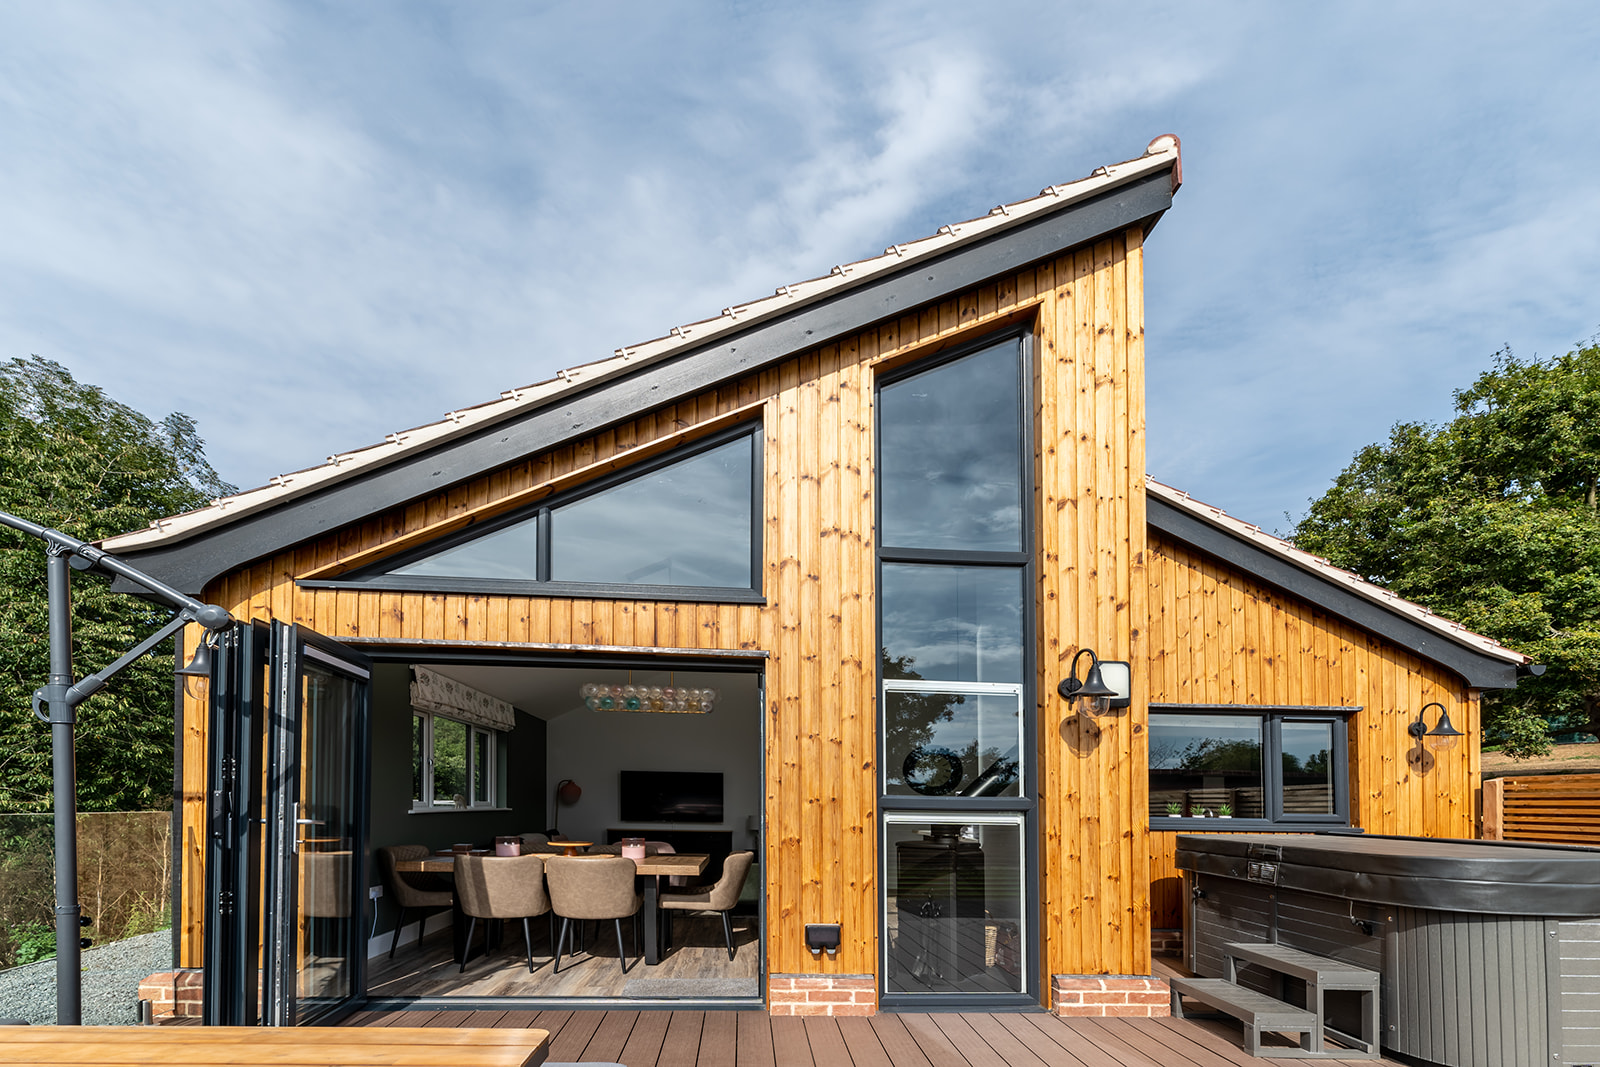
(250, 1046)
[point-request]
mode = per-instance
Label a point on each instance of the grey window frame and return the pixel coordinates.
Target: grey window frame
(1273, 717)
(958, 810)
(376, 576)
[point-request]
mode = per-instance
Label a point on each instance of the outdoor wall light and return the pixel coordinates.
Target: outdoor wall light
(196, 674)
(1442, 736)
(1094, 688)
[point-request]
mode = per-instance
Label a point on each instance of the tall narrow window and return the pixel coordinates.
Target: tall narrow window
(956, 721)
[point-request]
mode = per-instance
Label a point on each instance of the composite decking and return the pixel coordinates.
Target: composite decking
(956, 1039)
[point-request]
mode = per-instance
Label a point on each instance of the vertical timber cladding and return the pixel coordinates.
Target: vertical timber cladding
(818, 625)
(1094, 780)
(1217, 637)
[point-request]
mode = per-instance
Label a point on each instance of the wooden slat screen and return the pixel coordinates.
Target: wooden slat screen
(1558, 808)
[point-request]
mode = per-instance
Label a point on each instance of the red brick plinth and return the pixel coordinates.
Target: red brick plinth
(1109, 994)
(173, 994)
(822, 994)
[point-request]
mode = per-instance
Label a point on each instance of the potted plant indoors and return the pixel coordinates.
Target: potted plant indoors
(1174, 808)
(1224, 811)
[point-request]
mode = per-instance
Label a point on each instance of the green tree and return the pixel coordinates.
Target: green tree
(1491, 520)
(74, 459)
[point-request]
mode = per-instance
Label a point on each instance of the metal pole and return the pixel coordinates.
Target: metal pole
(69, 992)
(57, 702)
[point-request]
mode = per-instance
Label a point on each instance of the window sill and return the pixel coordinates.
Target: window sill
(453, 810)
(1216, 824)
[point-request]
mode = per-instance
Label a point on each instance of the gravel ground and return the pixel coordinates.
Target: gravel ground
(111, 977)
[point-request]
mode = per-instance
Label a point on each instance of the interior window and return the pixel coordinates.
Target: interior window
(453, 764)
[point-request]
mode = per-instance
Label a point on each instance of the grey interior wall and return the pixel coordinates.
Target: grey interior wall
(592, 748)
(393, 823)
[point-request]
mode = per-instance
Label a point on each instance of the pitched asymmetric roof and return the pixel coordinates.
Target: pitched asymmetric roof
(188, 550)
(1481, 660)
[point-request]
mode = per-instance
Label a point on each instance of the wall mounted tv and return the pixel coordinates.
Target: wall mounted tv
(671, 796)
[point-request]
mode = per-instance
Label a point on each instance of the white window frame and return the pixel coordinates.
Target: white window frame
(932, 685)
(429, 802)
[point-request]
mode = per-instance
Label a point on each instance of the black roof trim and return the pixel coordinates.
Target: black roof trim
(190, 563)
(1479, 671)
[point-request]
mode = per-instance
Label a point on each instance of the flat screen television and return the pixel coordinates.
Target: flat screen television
(671, 796)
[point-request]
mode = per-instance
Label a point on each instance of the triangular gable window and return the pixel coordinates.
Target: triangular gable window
(686, 522)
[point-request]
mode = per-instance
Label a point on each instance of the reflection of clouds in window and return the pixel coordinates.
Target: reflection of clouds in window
(687, 524)
(511, 553)
(951, 455)
(1205, 743)
(953, 623)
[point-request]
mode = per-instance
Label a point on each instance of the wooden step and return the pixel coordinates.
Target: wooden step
(1327, 973)
(1248, 1006)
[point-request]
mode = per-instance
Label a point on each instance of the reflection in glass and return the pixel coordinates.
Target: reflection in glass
(480, 767)
(510, 553)
(1307, 767)
(956, 624)
(418, 739)
(449, 761)
(950, 469)
(954, 904)
(1201, 762)
(328, 778)
(687, 524)
(951, 744)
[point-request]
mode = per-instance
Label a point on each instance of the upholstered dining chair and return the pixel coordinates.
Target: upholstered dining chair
(411, 890)
(720, 897)
(500, 887)
(594, 887)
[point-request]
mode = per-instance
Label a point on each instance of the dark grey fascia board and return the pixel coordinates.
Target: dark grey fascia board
(190, 563)
(1478, 670)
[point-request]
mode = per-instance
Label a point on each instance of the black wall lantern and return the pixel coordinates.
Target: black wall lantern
(1442, 736)
(1108, 684)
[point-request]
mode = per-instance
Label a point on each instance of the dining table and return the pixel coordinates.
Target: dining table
(652, 869)
(258, 1046)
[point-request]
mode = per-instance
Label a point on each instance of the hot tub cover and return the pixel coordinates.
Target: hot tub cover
(1487, 877)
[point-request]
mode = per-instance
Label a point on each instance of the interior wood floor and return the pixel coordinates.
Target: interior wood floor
(698, 951)
(964, 1039)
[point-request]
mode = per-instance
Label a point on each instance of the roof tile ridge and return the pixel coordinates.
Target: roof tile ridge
(1162, 151)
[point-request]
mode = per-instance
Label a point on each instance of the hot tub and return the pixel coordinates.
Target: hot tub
(1488, 951)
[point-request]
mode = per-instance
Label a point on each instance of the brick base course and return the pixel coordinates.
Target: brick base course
(822, 994)
(1110, 994)
(173, 994)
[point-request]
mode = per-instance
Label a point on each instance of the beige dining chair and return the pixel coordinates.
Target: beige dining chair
(412, 890)
(500, 887)
(720, 897)
(598, 888)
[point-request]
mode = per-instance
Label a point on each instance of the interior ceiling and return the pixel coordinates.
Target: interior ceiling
(547, 692)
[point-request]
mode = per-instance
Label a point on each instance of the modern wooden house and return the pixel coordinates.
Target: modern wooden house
(879, 514)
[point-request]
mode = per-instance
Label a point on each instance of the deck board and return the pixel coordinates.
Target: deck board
(899, 1045)
(951, 1039)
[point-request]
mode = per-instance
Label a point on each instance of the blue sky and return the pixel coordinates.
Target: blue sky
(308, 225)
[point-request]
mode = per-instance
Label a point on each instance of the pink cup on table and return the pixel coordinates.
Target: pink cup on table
(508, 846)
(633, 848)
